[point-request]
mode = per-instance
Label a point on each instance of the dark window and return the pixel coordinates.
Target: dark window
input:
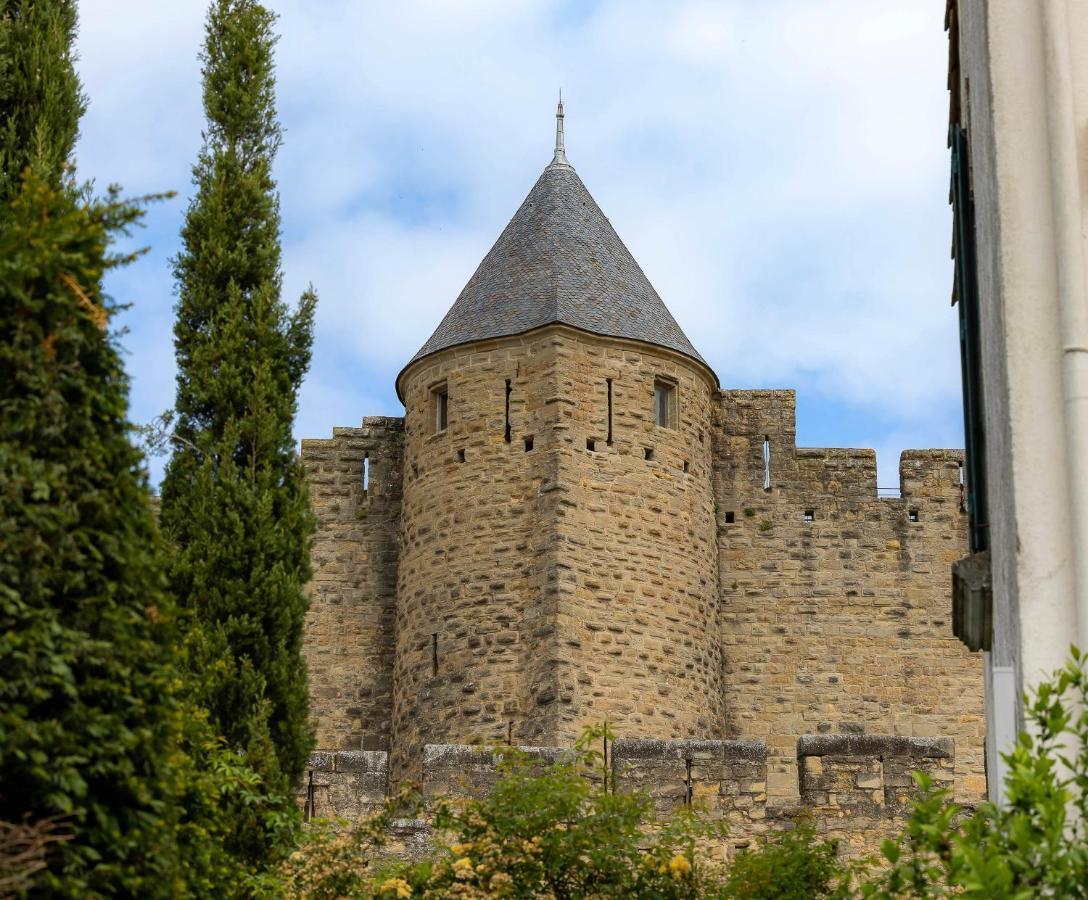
(608, 440)
(441, 407)
(730, 517)
(912, 515)
(528, 443)
(810, 515)
(665, 403)
(649, 453)
(506, 432)
(460, 455)
(965, 296)
(591, 444)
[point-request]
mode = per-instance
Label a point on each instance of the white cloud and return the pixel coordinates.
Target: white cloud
(778, 168)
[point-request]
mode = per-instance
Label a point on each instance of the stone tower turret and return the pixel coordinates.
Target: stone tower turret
(558, 561)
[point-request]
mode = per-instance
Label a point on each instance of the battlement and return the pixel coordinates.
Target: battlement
(355, 482)
(869, 773)
(857, 788)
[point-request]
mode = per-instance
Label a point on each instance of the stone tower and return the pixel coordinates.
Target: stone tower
(557, 563)
(573, 523)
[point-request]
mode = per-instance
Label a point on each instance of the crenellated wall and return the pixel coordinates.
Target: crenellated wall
(835, 602)
(348, 643)
(856, 789)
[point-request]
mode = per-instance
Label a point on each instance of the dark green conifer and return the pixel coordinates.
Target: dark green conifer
(88, 722)
(234, 501)
(40, 97)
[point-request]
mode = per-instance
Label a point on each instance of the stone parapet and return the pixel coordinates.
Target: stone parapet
(723, 779)
(463, 770)
(345, 784)
(869, 773)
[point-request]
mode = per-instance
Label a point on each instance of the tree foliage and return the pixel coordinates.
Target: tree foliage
(1034, 844)
(86, 716)
(234, 502)
(40, 97)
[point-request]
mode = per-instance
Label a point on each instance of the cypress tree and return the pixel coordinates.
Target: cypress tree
(88, 723)
(234, 502)
(40, 97)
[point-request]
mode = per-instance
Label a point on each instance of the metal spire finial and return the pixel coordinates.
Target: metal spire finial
(560, 148)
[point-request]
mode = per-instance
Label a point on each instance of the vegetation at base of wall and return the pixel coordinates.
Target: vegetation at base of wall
(235, 509)
(1034, 844)
(556, 831)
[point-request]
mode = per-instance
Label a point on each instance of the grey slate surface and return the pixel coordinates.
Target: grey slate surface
(559, 260)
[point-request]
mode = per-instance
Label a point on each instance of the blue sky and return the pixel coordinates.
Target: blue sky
(778, 168)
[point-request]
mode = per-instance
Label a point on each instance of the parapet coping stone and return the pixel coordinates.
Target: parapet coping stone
(875, 745)
(654, 748)
(466, 753)
(366, 762)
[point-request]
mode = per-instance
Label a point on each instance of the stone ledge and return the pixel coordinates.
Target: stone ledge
(874, 745)
(650, 748)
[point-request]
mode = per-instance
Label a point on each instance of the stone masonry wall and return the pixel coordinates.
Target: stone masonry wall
(835, 603)
(348, 642)
(859, 788)
(856, 789)
(554, 580)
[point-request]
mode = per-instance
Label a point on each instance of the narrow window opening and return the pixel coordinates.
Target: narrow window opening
(730, 517)
(665, 404)
(912, 515)
(608, 440)
(810, 515)
(591, 444)
(528, 443)
(506, 432)
(649, 453)
(460, 455)
(441, 408)
(434, 653)
(509, 734)
(687, 465)
(366, 473)
(963, 491)
(688, 786)
(766, 462)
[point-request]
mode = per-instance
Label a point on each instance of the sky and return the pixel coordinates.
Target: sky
(777, 167)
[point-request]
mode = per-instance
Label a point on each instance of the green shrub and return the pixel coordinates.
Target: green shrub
(1033, 845)
(792, 864)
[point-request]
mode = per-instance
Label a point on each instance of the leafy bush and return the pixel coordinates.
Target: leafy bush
(1031, 846)
(792, 864)
(557, 832)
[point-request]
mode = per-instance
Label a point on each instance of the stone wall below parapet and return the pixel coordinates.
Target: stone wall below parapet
(856, 788)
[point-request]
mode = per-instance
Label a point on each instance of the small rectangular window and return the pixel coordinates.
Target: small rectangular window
(366, 472)
(730, 517)
(528, 443)
(591, 445)
(441, 402)
(460, 455)
(664, 403)
(912, 515)
(649, 453)
(810, 515)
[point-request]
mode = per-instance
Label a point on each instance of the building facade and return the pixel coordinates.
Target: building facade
(573, 523)
(1018, 77)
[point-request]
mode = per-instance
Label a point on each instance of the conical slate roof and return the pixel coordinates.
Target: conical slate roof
(559, 260)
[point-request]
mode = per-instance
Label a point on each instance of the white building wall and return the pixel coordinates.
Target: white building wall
(1008, 95)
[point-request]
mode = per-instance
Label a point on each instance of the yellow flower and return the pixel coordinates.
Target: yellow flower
(462, 868)
(679, 866)
(398, 887)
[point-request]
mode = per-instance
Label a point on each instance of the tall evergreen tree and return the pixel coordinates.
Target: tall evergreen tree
(234, 501)
(40, 97)
(88, 723)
